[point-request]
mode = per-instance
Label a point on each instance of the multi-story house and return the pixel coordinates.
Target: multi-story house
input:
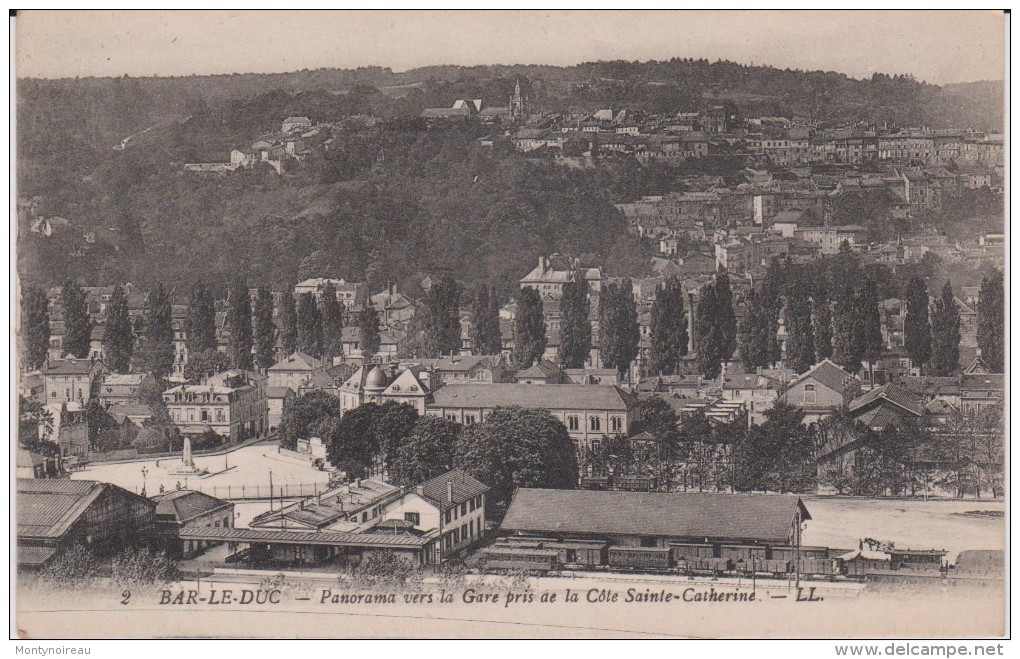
(822, 391)
(829, 239)
(72, 380)
(451, 505)
(468, 369)
(548, 279)
(347, 293)
(293, 371)
(125, 388)
(589, 413)
(232, 404)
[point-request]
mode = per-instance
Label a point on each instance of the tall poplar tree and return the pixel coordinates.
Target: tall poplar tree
(945, 334)
(35, 326)
(77, 324)
(619, 332)
(753, 332)
(264, 329)
(159, 333)
(668, 329)
(917, 324)
(119, 339)
(368, 332)
(708, 336)
(485, 334)
(241, 337)
(529, 330)
(821, 322)
(575, 323)
(201, 322)
(441, 318)
(800, 336)
(309, 323)
(991, 322)
(332, 325)
(868, 322)
(726, 316)
(845, 344)
(288, 322)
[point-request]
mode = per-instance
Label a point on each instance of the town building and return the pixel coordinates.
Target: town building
(293, 371)
(548, 277)
(278, 399)
(823, 390)
(126, 388)
(980, 391)
(347, 293)
(189, 509)
(54, 515)
(887, 406)
(657, 519)
(232, 404)
(450, 506)
(589, 413)
(72, 380)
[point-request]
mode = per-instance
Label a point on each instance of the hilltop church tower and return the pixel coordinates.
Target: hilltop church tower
(518, 104)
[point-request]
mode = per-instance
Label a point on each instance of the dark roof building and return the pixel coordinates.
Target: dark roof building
(451, 489)
(664, 517)
(55, 514)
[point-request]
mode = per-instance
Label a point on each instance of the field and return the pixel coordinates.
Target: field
(939, 524)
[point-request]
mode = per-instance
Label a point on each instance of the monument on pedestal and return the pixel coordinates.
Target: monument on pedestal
(188, 467)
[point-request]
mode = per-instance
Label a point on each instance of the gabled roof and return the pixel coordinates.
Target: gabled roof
(892, 393)
(543, 369)
(185, 505)
(68, 367)
(829, 375)
(465, 488)
(298, 361)
(48, 507)
(679, 515)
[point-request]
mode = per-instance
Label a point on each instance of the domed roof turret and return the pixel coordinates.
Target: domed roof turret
(376, 379)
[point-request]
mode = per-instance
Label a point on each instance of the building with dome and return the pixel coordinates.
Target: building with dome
(375, 383)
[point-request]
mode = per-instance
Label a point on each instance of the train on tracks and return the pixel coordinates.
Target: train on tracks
(537, 555)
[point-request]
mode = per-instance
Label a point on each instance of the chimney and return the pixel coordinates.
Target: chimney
(449, 490)
(541, 263)
(419, 490)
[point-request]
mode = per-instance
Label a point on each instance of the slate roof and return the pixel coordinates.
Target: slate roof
(561, 396)
(297, 361)
(464, 488)
(464, 363)
(185, 505)
(48, 507)
(893, 393)
(763, 517)
(831, 376)
(302, 537)
(68, 367)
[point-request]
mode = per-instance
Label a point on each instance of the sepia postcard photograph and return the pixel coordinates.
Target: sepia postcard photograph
(518, 324)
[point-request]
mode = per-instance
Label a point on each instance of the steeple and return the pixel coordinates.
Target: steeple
(517, 103)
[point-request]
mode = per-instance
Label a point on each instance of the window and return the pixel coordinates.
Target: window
(205, 415)
(469, 419)
(596, 445)
(572, 423)
(413, 518)
(809, 393)
(616, 424)
(449, 516)
(595, 424)
(647, 541)
(463, 508)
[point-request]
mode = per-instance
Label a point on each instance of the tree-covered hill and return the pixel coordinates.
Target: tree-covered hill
(396, 196)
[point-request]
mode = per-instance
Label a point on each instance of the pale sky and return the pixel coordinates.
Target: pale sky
(936, 46)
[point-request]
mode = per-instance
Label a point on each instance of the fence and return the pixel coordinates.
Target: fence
(238, 492)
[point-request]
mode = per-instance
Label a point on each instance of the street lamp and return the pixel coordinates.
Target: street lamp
(145, 472)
